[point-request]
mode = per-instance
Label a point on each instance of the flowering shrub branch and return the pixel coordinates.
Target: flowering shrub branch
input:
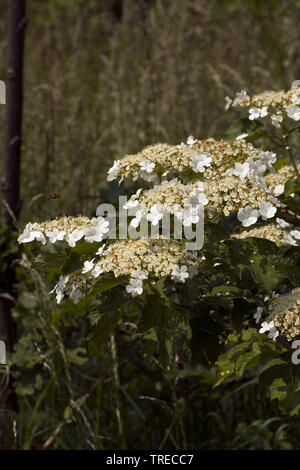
(194, 302)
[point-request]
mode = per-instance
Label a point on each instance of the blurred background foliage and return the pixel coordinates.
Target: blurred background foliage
(104, 78)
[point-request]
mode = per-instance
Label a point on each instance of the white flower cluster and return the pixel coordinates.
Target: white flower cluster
(157, 161)
(200, 162)
(278, 105)
(270, 328)
(170, 197)
(135, 286)
(143, 257)
(254, 168)
(70, 286)
(281, 233)
(208, 158)
(249, 216)
(249, 197)
(276, 181)
(266, 326)
(284, 315)
(70, 229)
(212, 160)
(137, 259)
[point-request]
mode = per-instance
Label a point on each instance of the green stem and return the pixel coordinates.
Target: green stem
(179, 410)
(116, 378)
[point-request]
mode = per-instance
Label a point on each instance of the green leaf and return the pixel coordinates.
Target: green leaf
(265, 273)
(50, 262)
(278, 389)
(77, 355)
(225, 369)
(110, 311)
(280, 163)
(292, 186)
(69, 308)
(106, 325)
(246, 361)
(167, 329)
(287, 393)
(291, 403)
(85, 248)
(106, 282)
(214, 233)
(27, 300)
(257, 256)
(254, 129)
(277, 367)
(72, 263)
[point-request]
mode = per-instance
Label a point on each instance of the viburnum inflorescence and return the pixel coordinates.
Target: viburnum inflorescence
(277, 233)
(72, 286)
(246, 196)
(283, 315)
(279, 178)
(70, 229)
(208, 158)
(184, 201)
(276, 104)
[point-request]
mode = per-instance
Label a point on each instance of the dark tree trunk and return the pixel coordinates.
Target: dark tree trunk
(11, 164)
(14, 107)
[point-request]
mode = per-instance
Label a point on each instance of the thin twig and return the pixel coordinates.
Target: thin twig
(12, 215)
(288, 148)
(77, 406)
(290, 216)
